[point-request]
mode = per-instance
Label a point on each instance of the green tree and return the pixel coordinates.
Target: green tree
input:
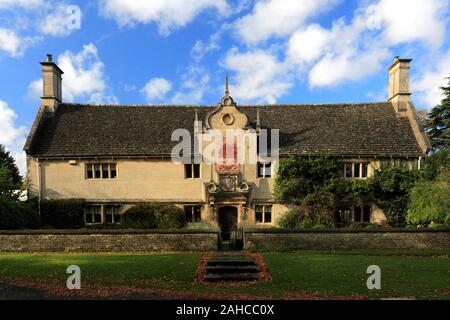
(298, 176)
(10, 179)
(438, 121)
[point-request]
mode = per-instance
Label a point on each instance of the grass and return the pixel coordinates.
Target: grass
(418, 273)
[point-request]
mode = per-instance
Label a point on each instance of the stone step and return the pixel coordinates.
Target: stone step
(231, 269)
(230, 261)
(230, 277)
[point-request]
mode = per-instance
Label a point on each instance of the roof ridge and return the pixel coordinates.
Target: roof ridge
(215, 105)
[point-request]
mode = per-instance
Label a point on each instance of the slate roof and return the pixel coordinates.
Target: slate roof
(77, 130)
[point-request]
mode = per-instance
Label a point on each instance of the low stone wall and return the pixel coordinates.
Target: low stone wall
(107, 240)
(285, 239)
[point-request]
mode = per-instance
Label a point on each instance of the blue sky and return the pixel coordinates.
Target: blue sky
(178, 52)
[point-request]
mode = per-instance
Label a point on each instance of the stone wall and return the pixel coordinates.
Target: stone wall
(282, 239)
(107, 240)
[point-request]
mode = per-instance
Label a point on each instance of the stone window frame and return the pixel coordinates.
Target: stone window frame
(263, 213)
(102, 213)
(112, 171)
(192, 171)
(361, 165)
(192, 207)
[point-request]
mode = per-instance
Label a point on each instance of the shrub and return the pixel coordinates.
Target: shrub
(154, 215)
(290, 220)
(64, 214)
(169, 216)
(17, 215)
(430, 203)
(316, 209)
(140, 216)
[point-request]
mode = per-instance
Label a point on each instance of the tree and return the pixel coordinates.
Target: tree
(438, 122)
(10, 179)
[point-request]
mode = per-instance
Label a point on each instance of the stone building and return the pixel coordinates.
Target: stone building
(117, 155)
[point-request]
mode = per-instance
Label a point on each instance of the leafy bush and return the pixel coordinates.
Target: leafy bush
(430, 203)
(154, 215)
(169, 216)
(316, 210)
(140, 216)
(17, 215)
(290, 220)
(64, 214)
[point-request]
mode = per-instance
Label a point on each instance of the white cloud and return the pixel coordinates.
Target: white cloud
(345, 52)
(195, 83)
(426, 85)
(156, 89)
(168, 15)
(278, 18)
(11, 43)
(305, 46)
(27, 4)
(11, 136)
(83, 77)
(260, 77)
(348, 66)
(409, 20)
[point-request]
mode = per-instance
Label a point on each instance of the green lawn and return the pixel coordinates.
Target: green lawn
(405, 273)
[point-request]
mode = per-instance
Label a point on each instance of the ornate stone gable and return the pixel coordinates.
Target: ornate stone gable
(226, 115)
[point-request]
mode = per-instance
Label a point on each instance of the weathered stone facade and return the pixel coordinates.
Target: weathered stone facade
(137, 140)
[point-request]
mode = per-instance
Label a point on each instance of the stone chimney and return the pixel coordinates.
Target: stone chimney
(52, 82)
(399, 93)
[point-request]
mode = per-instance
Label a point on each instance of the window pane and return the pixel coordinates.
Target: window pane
(97, 218)
(105, 171)
(260, 170)
(357, 214)
(357, 166)
(258, 214)
(196, 171)
(88, 216)
(267, 171)
(347, 170)
(113, 170)
(197, 213)
(364, 170)
(97, 171)
(188, 213)
(89, 172)
(108, 217)
(188, 171)
(268, 214)
(366, 214)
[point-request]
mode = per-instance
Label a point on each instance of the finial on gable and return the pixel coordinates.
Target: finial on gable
(227, 91)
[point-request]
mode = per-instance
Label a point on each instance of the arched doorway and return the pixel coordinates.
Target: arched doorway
(228, 220)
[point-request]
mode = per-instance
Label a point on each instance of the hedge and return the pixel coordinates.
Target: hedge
(17, 215)
(154, 215)
(64, 214)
